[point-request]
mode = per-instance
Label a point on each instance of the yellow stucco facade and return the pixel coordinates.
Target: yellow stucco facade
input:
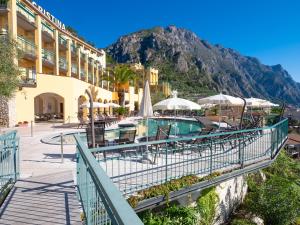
(56, 66)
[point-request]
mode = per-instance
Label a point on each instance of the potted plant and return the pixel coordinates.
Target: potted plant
(121, 112)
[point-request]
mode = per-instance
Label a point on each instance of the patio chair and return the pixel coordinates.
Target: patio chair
(126, 137)
(162, 133)
(99, 138)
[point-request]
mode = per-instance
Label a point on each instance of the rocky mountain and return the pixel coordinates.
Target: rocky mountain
(195, 67)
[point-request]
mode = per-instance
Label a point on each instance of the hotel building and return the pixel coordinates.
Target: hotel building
(56, 66)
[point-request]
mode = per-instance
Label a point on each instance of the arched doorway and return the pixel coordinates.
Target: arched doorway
(49, 107)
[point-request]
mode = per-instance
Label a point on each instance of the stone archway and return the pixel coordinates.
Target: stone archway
(82, 112)
(49, 107)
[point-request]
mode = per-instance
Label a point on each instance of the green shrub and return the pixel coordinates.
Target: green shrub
(207, 204)
(277, 201)
(174, 215)
(242, 222)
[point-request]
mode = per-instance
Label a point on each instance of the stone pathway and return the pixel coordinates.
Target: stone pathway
(46, 199)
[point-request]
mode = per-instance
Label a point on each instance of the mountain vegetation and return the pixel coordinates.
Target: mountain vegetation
(197, 68)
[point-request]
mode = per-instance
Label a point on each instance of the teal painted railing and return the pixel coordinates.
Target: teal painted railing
(102, 202)
(26, 46)
(133, 167)
(9, 159)
(27, 13)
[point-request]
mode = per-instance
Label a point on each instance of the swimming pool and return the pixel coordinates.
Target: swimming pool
(179, 127)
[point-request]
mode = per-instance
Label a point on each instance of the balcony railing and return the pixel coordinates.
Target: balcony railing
(63, 63)
(9, 160)
(62, 42)
(134, 167)
(47, 29)
(25, 12)
(26, 46)
(28, 77)
(3, 4)
(73, 48)
(82, 75)
(48, 56)
(74, 69)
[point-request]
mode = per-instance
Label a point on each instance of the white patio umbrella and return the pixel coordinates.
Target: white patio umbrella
(220, 100)
(176, 103)
(113, 105)
(146, 111)
(95, 105)
(207, 105)
(254, 102)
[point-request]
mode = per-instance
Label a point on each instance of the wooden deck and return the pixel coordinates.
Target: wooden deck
(47, 199)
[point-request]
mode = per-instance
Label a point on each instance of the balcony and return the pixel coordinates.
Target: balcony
(82, 75)
(27, 77)
(26, 18)
(62, 43)
(82, 57)
(73, 50)
(63, 65)
(48, 33)
(90, 80)
(3, 7)
(27, 47)
(48, 58)
(74, 70)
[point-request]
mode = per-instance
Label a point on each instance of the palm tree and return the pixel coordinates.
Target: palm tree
(121, 75)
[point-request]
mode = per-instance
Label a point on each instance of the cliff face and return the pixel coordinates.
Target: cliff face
(194, 66)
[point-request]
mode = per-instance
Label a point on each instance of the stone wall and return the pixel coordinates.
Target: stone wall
(231, 194)
(4, 112)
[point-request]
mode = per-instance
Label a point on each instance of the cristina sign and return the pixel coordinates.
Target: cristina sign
(50, 16)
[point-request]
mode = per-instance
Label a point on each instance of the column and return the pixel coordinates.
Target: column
(69, 58)
(97, 75)
(93, 72)
(56, 52)
(39, 44)
(79, 63)
(12, 19)
(86, 68)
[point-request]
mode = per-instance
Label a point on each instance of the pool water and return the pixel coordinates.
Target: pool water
(178, 128)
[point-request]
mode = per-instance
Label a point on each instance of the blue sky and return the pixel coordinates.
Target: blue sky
(266, 29)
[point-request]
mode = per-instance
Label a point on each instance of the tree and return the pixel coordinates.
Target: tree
(9, 72)
(277, 201)
(120, 75)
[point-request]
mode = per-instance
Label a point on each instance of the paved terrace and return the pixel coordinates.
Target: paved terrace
(45, 192)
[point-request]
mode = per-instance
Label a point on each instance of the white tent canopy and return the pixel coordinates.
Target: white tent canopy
(176, 104)
(95, 105)
(222, 99)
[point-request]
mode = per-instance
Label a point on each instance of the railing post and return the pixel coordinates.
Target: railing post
(15, 157)
(31, 128)
(62, 147)
(211, 159)
(166, 172)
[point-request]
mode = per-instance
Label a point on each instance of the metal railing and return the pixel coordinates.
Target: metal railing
(47, 29)
(9, 159)
(26, 46)
(102, 202)
(3, 4)
(28, 77)
(63, 63)
(74, 69)
(25, 12)
(133, 167)
(62, 41)
(48, 56)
